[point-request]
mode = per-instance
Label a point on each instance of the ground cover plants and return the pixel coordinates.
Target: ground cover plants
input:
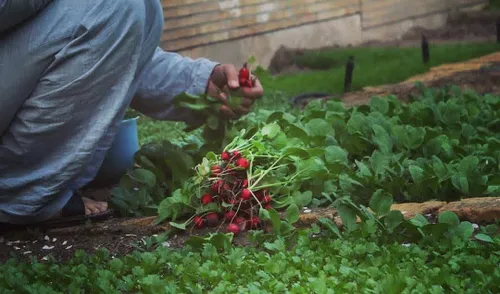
(443, 145)
(367, 258)
(359, 160)
(266, 167)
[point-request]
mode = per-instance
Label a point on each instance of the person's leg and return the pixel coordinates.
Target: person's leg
(66, 79)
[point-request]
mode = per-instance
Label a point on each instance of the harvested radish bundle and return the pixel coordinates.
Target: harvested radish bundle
(252, 174)
(237, 194)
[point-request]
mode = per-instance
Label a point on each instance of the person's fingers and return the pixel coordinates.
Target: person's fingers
(227, 112)
(255, 92)
(232, 75)
(247, 103)
(87, 211)
(215, 92)
(240, 110)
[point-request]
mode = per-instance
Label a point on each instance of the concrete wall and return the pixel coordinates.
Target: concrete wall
(232, 30)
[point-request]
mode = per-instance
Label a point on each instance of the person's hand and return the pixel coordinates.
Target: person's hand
(223, 80)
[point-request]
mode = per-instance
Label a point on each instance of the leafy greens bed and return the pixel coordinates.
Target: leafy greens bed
(444, 145)
(318, 263)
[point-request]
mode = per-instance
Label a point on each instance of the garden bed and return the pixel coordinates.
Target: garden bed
(122, 236)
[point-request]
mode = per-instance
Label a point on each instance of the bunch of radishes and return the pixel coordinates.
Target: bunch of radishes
(245, 78)
(229, 188)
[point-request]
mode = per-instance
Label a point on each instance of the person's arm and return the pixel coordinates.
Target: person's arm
(166, 76)
(14, 12)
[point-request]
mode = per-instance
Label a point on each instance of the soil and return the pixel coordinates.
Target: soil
(480, 81)
(119, 239)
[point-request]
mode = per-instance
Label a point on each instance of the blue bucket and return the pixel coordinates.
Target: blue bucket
(120, 157)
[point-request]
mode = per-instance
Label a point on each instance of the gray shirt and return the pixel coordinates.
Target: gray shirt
(14, 12)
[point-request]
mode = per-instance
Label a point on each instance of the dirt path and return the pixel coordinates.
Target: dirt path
(480, 74)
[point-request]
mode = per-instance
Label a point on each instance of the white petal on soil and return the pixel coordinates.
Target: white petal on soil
(17, 242)
(69, 247)
(130, 235)
(46, 238)
(47, 247)
(65, 242)
(307, 211)
(35, 241)
(27, 252)
(45, 258)
(55, 239)
(165, 244)
(9, 243)
(406, 244)
(475, 226)
(17, 248)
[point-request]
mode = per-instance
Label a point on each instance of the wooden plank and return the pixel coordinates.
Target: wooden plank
(180, 44)
(254, 15)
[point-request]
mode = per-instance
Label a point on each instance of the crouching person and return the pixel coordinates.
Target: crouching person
(69, 69)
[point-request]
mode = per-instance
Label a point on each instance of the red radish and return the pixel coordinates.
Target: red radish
(253, 223)
(233, 228)
(244, 73)
(249, 84)
(266, 199)
(207, 198)
(239, 220)
(211, 219)
(246, 194)
(198, 221)
(216, 170)
(244, 183)
(267, 206)
(216, 185)
(225, 156)
(243, 163)
(236, 154)
(229, 215)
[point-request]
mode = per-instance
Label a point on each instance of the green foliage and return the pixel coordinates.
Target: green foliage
(443, 146)
(315, 262)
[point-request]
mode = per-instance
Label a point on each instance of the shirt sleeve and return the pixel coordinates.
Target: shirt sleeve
(14, 12)
(168, 75)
